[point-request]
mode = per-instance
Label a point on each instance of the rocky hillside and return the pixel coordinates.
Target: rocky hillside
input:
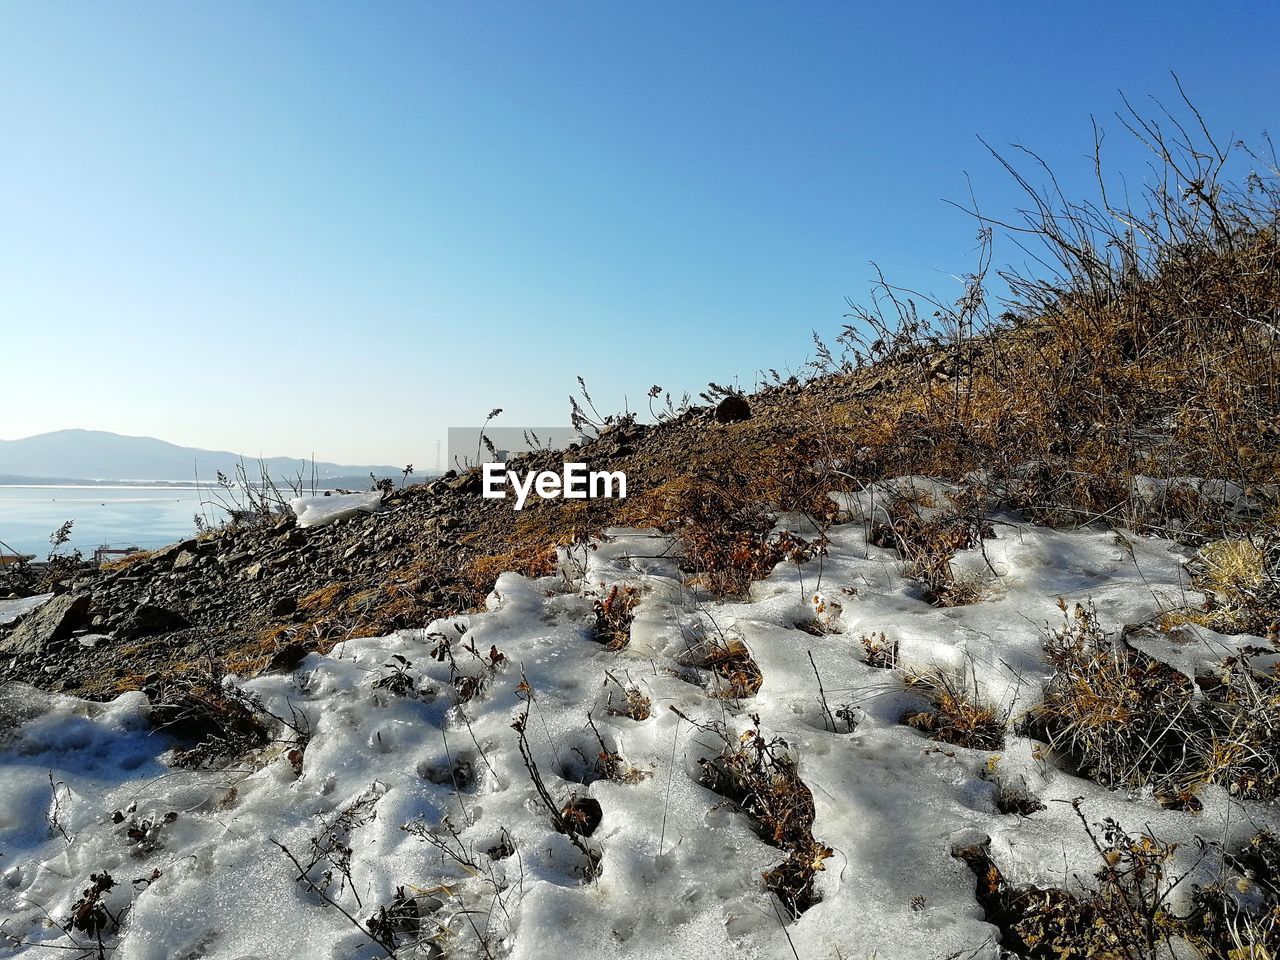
(253, 594)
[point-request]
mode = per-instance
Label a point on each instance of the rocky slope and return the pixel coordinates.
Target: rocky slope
(249, 596)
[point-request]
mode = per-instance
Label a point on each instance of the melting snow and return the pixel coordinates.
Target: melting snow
(11, 610)
(321, 511)
(680, 870)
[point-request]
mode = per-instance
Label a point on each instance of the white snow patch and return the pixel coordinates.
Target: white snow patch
(321, 511)
(11, 610)
(680, 868)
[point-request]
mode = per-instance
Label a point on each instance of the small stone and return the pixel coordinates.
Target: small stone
(287, 658)
(149, 618)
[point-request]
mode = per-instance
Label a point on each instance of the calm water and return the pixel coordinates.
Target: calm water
(144, 517)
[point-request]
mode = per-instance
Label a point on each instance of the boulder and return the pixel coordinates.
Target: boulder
(184, 559)
(286, 658)
(173, 550)
(733, 409)
(469, 482)
(52, 623)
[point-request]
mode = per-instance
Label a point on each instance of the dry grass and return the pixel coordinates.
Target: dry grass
(1241, 577)
(1148, 344)
(341, 610)
(957, 715)
(530, 545)
(1126, 719)
(127, 561)
(725, 524)
(760, 776)
(1127, 914)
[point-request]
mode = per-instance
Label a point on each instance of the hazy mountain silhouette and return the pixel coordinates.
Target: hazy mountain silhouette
(99, 455)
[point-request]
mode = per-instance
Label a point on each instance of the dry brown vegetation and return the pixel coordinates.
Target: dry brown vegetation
(1241, 580)
(1126, 719)
(218, 722)
(128, 560)
(1127, 913)
(1147, 344)
(879, 651)
(614, 614)
(760, 776)
(734, 673)
(927, 544)
(626, 700)
(725, 525)
(957, 715)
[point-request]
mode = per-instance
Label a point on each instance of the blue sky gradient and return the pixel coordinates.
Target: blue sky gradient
(290, 228)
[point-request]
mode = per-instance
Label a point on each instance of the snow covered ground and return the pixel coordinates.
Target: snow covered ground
(11, 610)
(196, 855)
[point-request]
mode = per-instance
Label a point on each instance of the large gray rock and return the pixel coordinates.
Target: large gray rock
(54, 621)
(174, 550)
(184, 559)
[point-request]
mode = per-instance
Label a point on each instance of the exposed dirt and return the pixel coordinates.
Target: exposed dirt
(253, 597)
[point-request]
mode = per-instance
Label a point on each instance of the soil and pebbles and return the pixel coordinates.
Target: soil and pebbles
(254, 596)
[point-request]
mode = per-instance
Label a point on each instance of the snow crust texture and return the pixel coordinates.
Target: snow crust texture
(11, 610)
(407, 792)
(322, 511)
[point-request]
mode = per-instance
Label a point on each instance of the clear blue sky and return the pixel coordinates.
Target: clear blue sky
(292, 227)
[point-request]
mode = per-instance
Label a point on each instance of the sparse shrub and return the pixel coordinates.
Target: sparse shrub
(396, 677)
(224, 723)
(1127, 719)
(1127, 917)
(614, 614)
(1128, 914)
(1146, 345)
(468, 684)
(957, 715)
(760, 776)
(60, 566)
(736, 673)
(880, 652)
(927, 545)
(89, 914)
(578, 817)
(252, 499)
(632, 703)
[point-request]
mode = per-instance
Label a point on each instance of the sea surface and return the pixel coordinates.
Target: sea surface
(145, 517)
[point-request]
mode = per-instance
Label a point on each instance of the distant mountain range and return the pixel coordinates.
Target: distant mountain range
(95, 456)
